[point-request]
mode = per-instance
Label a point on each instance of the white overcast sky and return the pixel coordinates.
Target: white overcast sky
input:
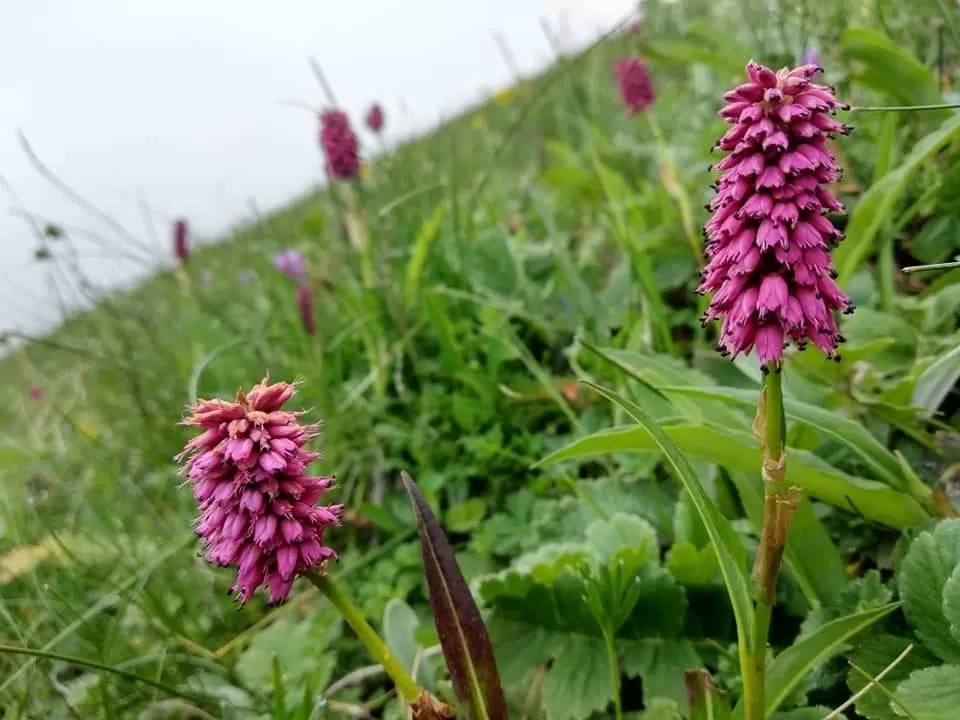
(178, 104)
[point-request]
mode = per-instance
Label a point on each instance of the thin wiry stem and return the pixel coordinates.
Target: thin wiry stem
(873, 682)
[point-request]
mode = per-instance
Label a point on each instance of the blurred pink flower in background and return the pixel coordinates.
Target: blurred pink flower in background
(768, 242)
(181, 249)
(634, 84)
(375, 118)
(36, 394)
(290, 263)
(340, 145)
(305, 306)
(257, 505)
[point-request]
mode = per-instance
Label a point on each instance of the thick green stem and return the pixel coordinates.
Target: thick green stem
(778, 506)
(905, 108)
(614, 673)
(368, 636)
(774, 425)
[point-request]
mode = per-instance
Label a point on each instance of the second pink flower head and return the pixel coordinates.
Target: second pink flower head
(634, 84)
(258, 510)
(770, 270)
(340, 145)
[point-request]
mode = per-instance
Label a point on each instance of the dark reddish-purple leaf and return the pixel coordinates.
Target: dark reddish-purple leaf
(463, 635)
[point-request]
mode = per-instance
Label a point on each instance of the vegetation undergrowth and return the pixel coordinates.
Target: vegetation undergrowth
(505, 309)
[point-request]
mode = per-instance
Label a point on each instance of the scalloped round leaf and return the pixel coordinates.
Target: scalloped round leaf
(661, 664)
(610, 537)
(951, 602)
(873, 656)
(932, 558)
(578, 683)
(932, 693)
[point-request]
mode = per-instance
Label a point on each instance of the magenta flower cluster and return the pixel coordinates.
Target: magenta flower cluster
(257, 503)
(634, 84)
(768, 241)
(375, 118)
(290, 263)
(181, 249)
(340, 145)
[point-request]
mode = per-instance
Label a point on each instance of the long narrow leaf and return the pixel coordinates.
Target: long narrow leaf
(853, 435)
(729, 549)
(739, 451)
(463, 635)
(791, 666)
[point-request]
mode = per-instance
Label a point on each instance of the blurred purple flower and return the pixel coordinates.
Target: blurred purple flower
(305, 306)
(810, 56)
(180, 247)
(340, 145)
(375, 118)
(36, 394)
(290, 263)
(257, 504)
(634, 84)
(768, 241)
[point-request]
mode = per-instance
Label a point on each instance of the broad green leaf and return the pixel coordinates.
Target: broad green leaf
(951, 602)
(662, 709)
(662, 666)
(400, 624)
(791, 666)
(692, 566)
(879, 202)
(726, 543)
(937, 381)
(873, 656)
(932, 693)
(851, 434)
(538, 613)
(463, 635)
(739, 451)
(932, 558)
(464, 517)
(807, 713)
(578, 683)
(884, 65)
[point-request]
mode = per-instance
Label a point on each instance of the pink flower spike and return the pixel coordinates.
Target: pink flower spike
(769, 269)
(181, 250)
(305, 306)
(374, 118)
(340, 145)
(634, 84)
(255, 516)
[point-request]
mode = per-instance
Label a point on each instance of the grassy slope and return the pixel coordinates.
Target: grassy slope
(451, 364)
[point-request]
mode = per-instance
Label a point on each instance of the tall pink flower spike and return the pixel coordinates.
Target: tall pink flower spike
(768, 242)
(634, 84)
(257, 503)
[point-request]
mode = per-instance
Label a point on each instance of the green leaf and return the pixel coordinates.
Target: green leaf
(882, 64)
(873, 656)
(878, 203)
(463, 635)
(692, 566)
(662, 666)
(937, 381)
(465, 516)
(300, 651)
(421, 250)
(791, 666)
(951, 602)
(852, 435)
(579, 682)
(730, 551)
(662, 709)
(932, 693)
(739, 451)
(807, 713)
(932, 558)
(400, 624)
